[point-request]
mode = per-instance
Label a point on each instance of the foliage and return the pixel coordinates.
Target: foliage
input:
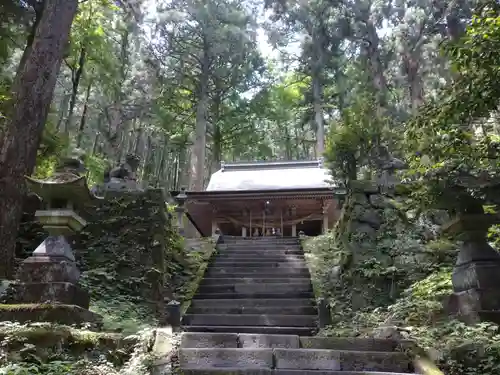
(55, 354)
(454, 151)
(404, 280)
(352, 139)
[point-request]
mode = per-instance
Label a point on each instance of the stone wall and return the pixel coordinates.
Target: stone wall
(129, 251)
(127, 247)
(375, 251)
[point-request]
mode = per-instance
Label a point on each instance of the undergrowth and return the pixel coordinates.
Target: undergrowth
(55, 352)
(420, 272)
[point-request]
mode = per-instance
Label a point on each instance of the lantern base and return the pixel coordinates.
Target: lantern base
(474, 306)
(53, 292)
(53, 313)
(476, 282)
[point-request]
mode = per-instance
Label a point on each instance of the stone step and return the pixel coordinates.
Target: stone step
(256, 265)
(245, 340)
(262, 257)
(201, 358)
(250, 320)
(237, 340)
(260, 253)
(263, 248)
(255, 280)
(340, 360)
(252, 270)
(260, 263)
(257, 295)
(251, 303)
(349, 343)
(239, 371)
(286, 310)
(266, 330)
(267, 274)
(260, 239)
(323, 372)
(256, 288)
(294, 359)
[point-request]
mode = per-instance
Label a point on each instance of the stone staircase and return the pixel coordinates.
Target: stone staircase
(254, 312)
(255, 285)
(257, 354)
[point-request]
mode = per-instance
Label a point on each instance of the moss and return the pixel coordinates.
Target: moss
(46, 312)
(49, 341)
(199, 260)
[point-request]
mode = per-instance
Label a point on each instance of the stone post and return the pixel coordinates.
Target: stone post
(180, 210)
(294, 230)
(243, 232)
(174, 315)
(476, 276)
(325, 223)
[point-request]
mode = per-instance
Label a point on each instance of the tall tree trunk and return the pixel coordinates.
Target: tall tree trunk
(31, 97)
(216, 149)
(83, 120)
(318, 115)
(38, 7)
(63, 110)
(76, 76)
(198, 155)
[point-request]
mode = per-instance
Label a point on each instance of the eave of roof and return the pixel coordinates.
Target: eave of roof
(257, 194)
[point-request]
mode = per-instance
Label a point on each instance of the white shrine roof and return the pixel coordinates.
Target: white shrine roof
(276, 175)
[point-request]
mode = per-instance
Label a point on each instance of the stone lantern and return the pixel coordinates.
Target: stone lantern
(50, 275)
(181, 199)
(476, 276)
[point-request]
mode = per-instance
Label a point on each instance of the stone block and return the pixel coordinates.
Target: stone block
(249, 302)
(163, 344)
(374, 361)
(235, 358)
(300, 359)
(364, 186)
(229, 371)
(209, 340)
(348, 343)
(268, 341)
(477, 275)
(378, 201)
(43, 312)
(470, 302)
(44, 269)
(329, 372)
(64, 293)
(275, 288)
(250, 320)
(366, 215)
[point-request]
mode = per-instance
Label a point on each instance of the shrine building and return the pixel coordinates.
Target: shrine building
(266, 198)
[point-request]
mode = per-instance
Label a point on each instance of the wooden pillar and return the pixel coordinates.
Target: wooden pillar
(281, 218)
(263, 223)
(214, 220)
(250, 233)
(325, 217)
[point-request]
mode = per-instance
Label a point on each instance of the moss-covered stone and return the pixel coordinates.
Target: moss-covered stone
(49, 341)
(46, 312)
(373, 254)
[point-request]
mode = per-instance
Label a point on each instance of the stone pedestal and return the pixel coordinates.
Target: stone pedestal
(50, 275)
(476, 276)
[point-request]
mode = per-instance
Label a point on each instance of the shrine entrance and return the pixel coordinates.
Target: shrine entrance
(235, 204)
